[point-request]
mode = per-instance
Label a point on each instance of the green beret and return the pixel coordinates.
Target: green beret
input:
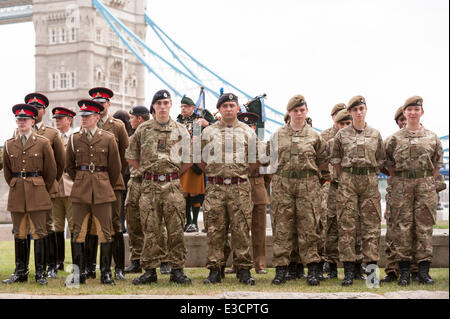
(295, 101)
(337, 108)
(413, 100)
(187, 100)
(355, 101)
(342, 115)
(398, 113)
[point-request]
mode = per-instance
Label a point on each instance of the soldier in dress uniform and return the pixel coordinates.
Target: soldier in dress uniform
(41, 102)
(108, 123)
(93, 163)
(414, 157)
(30, 171)
(357, 154)
(62, 206)
(138, 115)
(228, 190)
(153, 152)
(259, 184)
(193, 181)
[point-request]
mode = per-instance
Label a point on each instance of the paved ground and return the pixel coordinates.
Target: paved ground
(419, 294)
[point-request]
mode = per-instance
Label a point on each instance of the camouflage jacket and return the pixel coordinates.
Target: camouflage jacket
(299, 150)
(406, 150)
(158, 147)
(360, 149)
(227, 151)
(328, 136)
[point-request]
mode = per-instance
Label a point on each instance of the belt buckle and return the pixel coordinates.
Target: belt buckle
(411, 174)
(227, 181)
(162, 178)
(23, 174)
(91, 167)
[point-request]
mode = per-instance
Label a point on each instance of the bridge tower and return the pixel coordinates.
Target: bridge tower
(76, 50)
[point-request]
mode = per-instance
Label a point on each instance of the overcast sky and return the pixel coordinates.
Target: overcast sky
(327, 51)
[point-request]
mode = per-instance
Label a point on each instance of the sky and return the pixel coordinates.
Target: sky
(326, 50)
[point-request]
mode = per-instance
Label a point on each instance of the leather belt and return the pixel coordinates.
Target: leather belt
(218, 180)
(297, 174)
(161, 177)
(414, 173)
(255, 175)
(27, 174)
(359, 170)
(92, 168)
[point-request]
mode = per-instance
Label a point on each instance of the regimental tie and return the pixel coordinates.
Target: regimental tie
(23, 139)
(89, 135)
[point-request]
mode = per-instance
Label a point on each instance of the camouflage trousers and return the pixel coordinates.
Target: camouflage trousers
(228, 206)
(322, 225)
(295, 208)
(358, 209)
(133, 218)
(332, 233)
(162, 208)
(413, 212)
(391, 262)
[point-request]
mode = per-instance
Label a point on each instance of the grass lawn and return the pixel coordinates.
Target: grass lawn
(197, 275)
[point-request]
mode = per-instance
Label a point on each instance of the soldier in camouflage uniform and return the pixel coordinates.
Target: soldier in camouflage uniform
(153, 151)
(414, 158)
(228, 189)
(357, 154)
(295, 205)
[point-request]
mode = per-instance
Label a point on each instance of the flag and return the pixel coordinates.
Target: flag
(200, 105)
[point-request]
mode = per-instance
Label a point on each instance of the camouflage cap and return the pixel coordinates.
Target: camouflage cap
(355, 101)
(343, 115)
(413, 100)
(398, 113)
(337, 108)
(295, 101)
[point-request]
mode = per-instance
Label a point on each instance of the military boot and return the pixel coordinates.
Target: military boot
(319, 271)
(358, 272)
(164, 268)
(50, 253)
(349, 268)
(300, 271)
(313, 274)
(134, 267)
(148, 277)
(326, 267)
(27, 262)
(280, 275)
(390, 277)
(90, 251)
(415, 276)
(333, 271)
(118, 254)
(60, 250)
(291, 271)
(21, 272)
(214, 276)
(39, 261)
(245, 277)
(79, 273)
(404, 267)
(424, 276)
(222, 272)
(106, 250)
(177, 276)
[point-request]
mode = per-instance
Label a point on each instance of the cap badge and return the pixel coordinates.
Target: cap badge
(418, 102)
(98, 94)
(83, 107)
(245, 119)
(165, 94)
(22, 112)
(230, 96)
(34, 99)
(361, 100)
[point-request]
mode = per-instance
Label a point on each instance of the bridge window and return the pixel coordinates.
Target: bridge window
(63, 80)
(63, 35)
(54, 81)
(73, 80)
(98, 36)
(73, 35)
(52, 36)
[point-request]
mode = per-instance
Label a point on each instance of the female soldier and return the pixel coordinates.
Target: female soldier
(414, 157)
(30, 171)
(357, 154)
(295, 206)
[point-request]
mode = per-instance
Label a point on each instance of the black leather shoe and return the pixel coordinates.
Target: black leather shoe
(213, 277)
(280, 275)
(404, 267)
(332, 271)
(424, 276)
(90, 255)
(177, 276)
(50, 253)
(106, 250)
(245, 277)
(164, 268)
(313, 274)
(349, 268)
(39, 261)
(390, 277)
(133, 268)
(148, 277)
(78, 255)
(118, 254)
(21, 272)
